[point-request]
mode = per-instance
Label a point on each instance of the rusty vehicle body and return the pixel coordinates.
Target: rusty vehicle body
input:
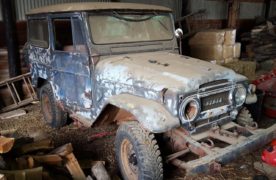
(100, 80)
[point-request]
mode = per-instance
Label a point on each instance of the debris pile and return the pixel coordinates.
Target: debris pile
(261, 42)
(25, 158)
(216, 45)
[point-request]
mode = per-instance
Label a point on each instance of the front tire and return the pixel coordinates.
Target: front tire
(53, 115)
(137, 153)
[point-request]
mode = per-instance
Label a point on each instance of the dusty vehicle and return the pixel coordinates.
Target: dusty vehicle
(103, 63)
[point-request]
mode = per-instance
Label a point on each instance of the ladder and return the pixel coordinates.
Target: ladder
(18, 99)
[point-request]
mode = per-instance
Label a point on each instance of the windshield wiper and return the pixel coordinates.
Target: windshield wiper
(115, 14)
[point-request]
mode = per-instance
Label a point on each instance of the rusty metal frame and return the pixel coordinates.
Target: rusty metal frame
(17, 100)
(210, 158)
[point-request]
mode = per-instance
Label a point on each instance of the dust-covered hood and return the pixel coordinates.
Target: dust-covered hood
(159, 70)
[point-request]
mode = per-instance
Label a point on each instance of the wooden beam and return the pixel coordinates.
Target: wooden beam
(6, 144)
(42, 145)
(233, 13)
(63, 150)
(12, 114)
(99, 171)
(73, 167)
(25, 174)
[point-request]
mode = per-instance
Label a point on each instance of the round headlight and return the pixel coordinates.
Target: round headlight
(240, 95)
(189, 109)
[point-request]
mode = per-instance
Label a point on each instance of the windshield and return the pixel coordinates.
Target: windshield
(117, 28)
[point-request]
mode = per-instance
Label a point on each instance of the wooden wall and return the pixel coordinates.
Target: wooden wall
(21, 28)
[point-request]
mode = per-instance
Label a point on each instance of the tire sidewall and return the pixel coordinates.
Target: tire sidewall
(56, 120)
(143, 144)
(118, 142)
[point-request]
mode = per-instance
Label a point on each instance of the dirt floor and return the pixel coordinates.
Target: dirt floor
(86, 146)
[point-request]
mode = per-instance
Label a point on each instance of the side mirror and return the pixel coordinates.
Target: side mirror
(178, 33)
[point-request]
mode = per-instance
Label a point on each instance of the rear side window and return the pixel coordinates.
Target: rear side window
(38, 32)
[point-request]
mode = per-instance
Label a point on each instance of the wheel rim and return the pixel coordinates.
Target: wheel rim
(129, 160)
(46, 108)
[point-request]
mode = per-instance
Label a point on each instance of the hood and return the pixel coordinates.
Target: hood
(159, 70)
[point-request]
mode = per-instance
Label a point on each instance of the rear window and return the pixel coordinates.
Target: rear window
(38, 32)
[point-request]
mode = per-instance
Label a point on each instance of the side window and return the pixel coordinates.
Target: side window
(38, 32)
(79, 40)
(63, 34)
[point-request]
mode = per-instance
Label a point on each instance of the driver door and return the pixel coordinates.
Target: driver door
(71, 57)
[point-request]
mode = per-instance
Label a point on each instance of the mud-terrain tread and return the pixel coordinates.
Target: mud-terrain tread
(59, 116)
(146, 147)
(244, 117)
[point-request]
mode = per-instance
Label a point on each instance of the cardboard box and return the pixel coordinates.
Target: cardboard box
(207, 52)
(210, 37)
(237, 50)
(228, 51)
(230, 36)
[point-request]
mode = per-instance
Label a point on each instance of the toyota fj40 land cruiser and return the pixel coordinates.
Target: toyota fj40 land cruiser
(118, 63)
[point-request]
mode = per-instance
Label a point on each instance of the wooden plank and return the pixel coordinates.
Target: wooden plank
(99, 171)
(63, 150)
(6, 144)
(25, 162)
(2, 177)
(25, 174)
(50, 159)
(12, 114)
(36, 160)
(73, 167)
(42, 145)
(88, 163)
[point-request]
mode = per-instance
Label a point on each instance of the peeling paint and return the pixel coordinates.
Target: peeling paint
(132, 81)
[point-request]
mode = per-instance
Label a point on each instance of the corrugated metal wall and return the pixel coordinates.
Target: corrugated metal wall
(272, 9)
(23, 6)
(250, 10)
(215, 9)
(218, 9)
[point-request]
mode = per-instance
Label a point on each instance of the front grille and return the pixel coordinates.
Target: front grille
(214, 101)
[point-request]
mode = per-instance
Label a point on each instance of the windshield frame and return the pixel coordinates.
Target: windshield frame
(122, 12)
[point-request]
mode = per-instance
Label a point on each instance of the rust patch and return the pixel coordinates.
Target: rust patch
(88, 95)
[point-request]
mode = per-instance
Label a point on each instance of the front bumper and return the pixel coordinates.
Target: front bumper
(210, 158)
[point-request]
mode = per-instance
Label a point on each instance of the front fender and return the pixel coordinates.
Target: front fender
(152, 115)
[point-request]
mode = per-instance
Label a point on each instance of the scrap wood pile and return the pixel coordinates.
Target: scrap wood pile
(25, 159)
(261, 42)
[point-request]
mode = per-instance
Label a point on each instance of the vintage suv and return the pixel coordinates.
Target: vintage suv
(103, 63)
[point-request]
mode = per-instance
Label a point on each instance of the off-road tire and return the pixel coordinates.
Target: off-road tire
(244, 117)
(149, 161)
(52, 114)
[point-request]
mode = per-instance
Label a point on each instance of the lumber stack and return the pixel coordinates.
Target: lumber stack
(261, 42)
(215, 45)
(26, 159)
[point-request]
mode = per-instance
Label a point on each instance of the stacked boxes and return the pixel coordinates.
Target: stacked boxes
(218, 45)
